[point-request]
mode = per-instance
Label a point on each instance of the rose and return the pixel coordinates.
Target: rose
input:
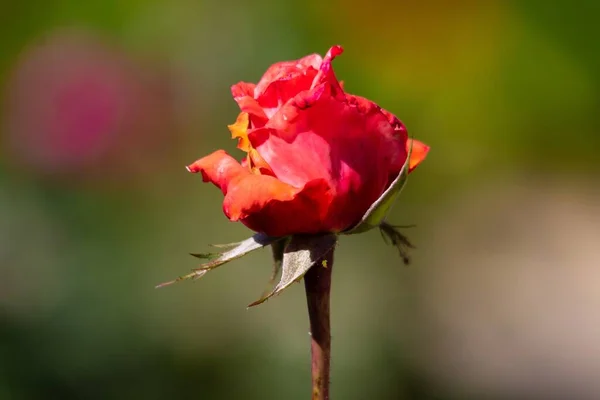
(317, 157)
(320, 163)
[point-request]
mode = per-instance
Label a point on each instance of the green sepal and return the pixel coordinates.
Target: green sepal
(391, 235)
(299, 255)
(277, 249)
(237, 250)
(205, 256)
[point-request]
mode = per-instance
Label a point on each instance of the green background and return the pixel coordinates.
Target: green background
(500, 302)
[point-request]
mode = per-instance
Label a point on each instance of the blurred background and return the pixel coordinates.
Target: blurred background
(103, 103)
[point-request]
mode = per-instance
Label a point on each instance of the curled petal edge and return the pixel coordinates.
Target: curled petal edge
(260, 201)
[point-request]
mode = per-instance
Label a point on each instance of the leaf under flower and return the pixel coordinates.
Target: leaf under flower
(299, 255)
(277, 249)
(238, 250)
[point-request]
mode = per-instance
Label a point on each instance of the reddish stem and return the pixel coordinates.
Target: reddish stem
(317, 283)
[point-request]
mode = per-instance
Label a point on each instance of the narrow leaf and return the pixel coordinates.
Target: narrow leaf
(225, 245)
(300, 254)
(379, 210)
(205, 256)
(194, 275)
(277, 248)
(391, 235)
(256, 242)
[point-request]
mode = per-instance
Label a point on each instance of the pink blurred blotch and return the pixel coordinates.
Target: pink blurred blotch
(73, 102)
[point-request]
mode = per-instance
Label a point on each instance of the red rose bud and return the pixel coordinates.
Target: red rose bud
(317, 158)
(320, 162)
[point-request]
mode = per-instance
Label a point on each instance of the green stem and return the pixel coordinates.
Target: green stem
(317, 283)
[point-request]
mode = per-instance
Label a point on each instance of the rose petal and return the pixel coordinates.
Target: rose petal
(398, 155)
(418, 153)
(243, 89)
(277, 211)
(395, 122)
(352, 146)
(219, 168)
(283, 80)
(262, 202)
(239, 130)
(254, 161)
(243, 94)
(326, 73)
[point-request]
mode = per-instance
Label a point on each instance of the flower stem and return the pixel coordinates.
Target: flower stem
(317, 283)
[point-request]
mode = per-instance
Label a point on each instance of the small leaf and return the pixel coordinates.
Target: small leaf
(392, 236)
(277, 248)
(194, 275)
(225, 245)
(379, 210)
(300, 254)
(205, 256)
(242, 248)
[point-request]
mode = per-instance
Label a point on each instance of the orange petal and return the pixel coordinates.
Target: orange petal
(263, 202)
(417, 153)
(239, 130)
(254, 161)
(219, 168)
(258, 165)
